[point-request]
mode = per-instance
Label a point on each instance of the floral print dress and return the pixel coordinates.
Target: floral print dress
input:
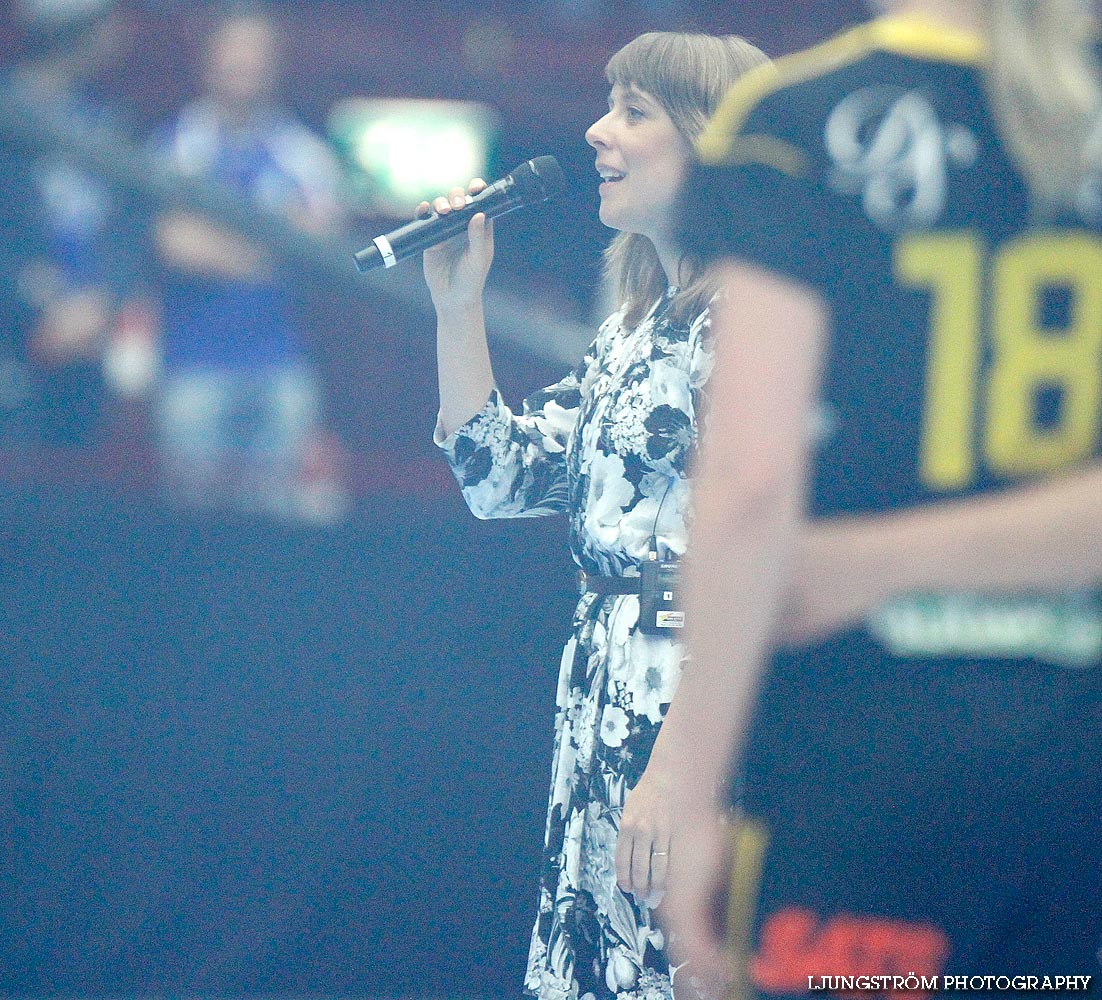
(608, 445)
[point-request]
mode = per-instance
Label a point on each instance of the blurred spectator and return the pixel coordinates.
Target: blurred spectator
(71, 249)
(238, 407)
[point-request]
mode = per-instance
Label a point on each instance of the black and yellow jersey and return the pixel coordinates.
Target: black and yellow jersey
(915, 785)
(966, 349)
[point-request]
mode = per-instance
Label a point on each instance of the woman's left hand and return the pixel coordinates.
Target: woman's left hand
(643, 846)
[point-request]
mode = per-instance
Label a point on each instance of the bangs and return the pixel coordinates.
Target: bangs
(688, 74)
(657, 64)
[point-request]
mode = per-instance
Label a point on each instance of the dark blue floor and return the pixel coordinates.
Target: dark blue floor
(240, 758)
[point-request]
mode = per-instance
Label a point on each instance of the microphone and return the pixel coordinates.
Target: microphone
(534, 181)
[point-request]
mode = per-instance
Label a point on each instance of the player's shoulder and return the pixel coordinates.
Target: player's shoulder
(766, 116)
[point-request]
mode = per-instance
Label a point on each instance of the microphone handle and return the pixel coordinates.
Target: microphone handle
(417, 236)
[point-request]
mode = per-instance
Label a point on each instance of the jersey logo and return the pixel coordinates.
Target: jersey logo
(798, 948)
(1089, 200)
(889, 146)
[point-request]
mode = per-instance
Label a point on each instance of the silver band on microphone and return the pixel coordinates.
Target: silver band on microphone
(382, 244)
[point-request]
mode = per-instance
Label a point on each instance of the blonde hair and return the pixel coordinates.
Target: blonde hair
(687, 74)
(1045, 84)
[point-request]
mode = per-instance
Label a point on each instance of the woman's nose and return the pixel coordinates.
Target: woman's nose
(595, 135)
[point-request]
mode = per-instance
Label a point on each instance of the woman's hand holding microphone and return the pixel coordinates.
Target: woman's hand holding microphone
(456, 270)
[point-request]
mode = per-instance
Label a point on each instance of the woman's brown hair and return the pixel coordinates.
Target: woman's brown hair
(687, 74)
(1045, 86)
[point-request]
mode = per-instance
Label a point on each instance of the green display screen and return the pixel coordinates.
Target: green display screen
(401, 151)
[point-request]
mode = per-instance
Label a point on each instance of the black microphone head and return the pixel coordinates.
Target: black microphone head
(538, 179)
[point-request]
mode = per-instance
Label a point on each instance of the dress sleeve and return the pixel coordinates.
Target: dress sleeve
(514, 465)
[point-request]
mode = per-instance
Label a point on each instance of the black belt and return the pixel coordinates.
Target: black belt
(590, 584)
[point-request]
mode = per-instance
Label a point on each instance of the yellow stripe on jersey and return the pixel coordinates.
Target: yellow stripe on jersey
(720, 142)
(921, 38)
(770, 152)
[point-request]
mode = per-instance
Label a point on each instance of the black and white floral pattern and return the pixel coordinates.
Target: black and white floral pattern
(608, 445)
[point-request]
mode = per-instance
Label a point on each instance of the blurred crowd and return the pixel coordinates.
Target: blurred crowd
(163, 186)
(118, 303)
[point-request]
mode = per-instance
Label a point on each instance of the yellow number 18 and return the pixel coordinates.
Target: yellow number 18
(965, 423)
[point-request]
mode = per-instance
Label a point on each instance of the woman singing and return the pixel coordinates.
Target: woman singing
(610, 446)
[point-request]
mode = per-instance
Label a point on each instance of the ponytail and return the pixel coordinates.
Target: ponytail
(1045, 85)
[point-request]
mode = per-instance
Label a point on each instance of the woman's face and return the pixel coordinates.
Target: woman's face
(642, 159)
